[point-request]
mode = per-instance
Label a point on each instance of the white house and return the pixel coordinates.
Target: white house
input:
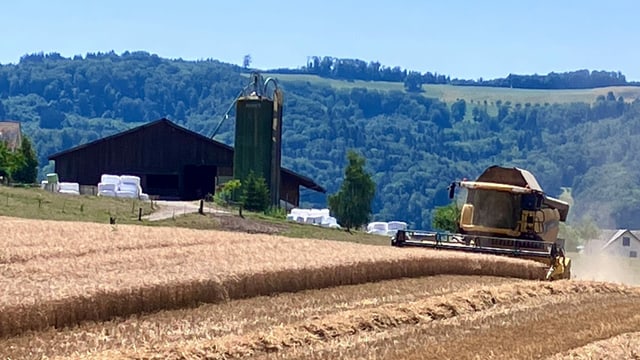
(622, 242)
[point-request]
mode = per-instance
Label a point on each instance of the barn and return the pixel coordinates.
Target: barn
(172, 162)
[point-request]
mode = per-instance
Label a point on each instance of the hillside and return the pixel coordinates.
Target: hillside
(475, 94)
(414, 143)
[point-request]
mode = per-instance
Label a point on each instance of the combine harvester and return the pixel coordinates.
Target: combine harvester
(505, 213)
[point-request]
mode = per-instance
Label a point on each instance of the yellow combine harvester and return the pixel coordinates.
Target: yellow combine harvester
(505, 213)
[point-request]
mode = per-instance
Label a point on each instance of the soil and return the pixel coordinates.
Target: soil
(232, 222)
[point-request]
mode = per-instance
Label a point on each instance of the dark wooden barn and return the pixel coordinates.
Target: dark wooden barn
(171, 161)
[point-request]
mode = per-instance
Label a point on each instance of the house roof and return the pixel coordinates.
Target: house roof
(304, 181)
(10, 133)
(610, 236)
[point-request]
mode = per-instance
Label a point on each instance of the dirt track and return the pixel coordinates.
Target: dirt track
(170, 209)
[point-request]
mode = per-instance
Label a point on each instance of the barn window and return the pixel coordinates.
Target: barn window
(626, 241)
(633, 254)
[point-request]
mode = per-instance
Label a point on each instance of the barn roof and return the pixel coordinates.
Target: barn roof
(162, 121)
(303, 180)
(10, 134)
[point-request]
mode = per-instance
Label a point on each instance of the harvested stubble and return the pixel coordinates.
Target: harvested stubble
(235, 317)
(625, 346)
(533, 328)
(389, 316)
(57, 274)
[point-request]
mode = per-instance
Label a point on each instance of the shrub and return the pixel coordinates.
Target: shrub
(255, 193)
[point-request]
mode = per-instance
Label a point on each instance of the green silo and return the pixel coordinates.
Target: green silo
(258, 140)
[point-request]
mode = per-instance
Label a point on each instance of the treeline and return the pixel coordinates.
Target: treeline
(355, 69)
(581, 79)
(413, 145)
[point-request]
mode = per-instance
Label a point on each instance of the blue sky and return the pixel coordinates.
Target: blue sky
(464, 39)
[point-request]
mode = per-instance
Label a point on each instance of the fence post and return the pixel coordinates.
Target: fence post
(201, 209)
(139, 214)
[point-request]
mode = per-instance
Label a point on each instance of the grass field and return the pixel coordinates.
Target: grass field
(35, 203)
(259, 223)
(477, 94)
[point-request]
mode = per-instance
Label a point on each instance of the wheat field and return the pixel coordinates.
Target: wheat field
(95, 291)
(57, 274)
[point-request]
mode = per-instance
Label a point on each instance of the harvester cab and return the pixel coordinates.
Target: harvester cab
(505, 212)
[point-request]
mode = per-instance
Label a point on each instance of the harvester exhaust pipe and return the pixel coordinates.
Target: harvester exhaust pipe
(452, 189)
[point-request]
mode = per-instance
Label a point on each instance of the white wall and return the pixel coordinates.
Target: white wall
(617, 247)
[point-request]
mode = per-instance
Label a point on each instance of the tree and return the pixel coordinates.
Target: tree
(50, 117)
(255, 193)
(446, 218)
(246, 61)
(5, 162)
(458, 110)
(352, 203)
(26, 171)
(413, 82)
(180, 113)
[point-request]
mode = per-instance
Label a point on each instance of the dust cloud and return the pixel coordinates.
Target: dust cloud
(607, 268)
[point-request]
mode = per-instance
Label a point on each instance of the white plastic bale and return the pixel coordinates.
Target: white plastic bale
(130, 179)
(126, 194)
(69, 187)
(377, 226)
(397, 225)
(110, 179)
(107, 193)
(300, 212)
(131, 188)
(107, 187)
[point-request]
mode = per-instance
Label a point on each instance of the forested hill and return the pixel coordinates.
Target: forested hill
(414, 144)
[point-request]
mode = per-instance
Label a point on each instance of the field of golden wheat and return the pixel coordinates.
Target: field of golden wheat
(75, 290)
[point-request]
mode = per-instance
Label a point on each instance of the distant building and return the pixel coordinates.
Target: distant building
(171, 161)
(11, 134)
(621, 242)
